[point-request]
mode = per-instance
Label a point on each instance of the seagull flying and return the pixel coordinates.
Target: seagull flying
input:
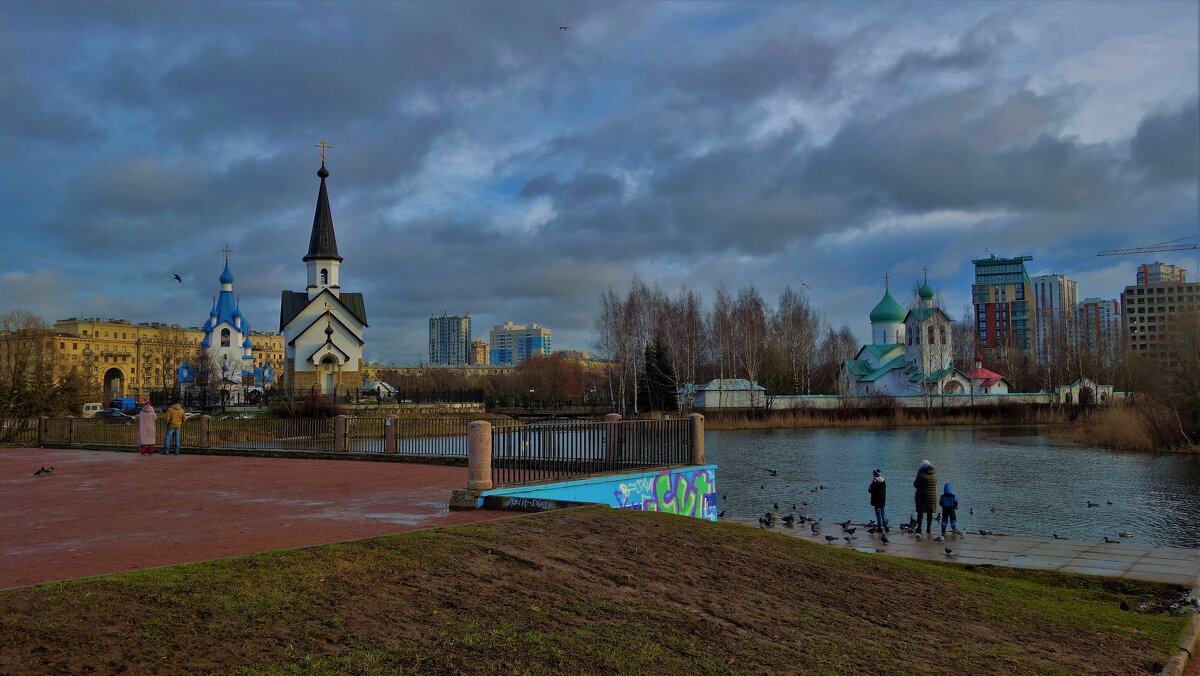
(177, 277)
(564, 28)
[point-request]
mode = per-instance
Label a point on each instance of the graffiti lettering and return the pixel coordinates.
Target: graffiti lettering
(685, 492)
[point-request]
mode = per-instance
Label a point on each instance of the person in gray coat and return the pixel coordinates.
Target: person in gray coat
(927, 494)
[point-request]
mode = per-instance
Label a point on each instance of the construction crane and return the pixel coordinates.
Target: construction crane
(1165, 246)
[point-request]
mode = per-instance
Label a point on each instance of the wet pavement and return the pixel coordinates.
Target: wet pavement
(1127, 559)
(103, 512)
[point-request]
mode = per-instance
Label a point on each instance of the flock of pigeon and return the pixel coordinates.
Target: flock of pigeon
(911, 529)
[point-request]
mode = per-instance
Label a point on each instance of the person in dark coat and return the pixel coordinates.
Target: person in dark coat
(949, 505)
(927, 495)
(878, 491)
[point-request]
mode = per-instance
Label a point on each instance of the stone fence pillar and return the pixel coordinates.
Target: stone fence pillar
(391, 431)
(339, 434)
(697, 439)
(479, 455)
(70, 430)
(202, 438)
(612, 439)
(43, 430)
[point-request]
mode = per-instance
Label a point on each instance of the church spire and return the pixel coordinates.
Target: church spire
(322, 244)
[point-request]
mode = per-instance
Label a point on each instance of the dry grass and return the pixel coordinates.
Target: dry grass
(1128, 427)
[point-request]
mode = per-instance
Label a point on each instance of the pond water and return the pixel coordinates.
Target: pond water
(1038, 485)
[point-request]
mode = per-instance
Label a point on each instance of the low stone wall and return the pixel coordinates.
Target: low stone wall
(831, 401)
(687, 491)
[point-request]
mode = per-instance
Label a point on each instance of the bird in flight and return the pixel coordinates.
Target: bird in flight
(177, 277)
(564, 28)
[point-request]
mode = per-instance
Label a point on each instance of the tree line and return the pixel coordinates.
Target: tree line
(659, 344)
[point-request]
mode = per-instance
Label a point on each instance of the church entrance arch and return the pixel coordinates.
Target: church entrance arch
(114, 383)
(328, 370)
(953, 387)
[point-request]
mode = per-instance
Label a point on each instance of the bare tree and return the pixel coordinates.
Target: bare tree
(797, 330)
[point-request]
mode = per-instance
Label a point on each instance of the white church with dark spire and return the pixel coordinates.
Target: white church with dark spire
(911, 351)
(323, 325)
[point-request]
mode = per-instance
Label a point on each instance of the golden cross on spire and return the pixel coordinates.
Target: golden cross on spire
(323, 145)
(886, 277)
(925, 269)
(227, 251)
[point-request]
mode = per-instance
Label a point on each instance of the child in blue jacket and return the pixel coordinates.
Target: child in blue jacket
(949, 504)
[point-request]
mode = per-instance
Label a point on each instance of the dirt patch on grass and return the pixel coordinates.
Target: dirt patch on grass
(583, 591)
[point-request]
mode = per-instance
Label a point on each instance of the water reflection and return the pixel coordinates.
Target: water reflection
(1038, 485)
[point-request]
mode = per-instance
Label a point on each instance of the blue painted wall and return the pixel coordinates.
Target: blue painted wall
(688, 491)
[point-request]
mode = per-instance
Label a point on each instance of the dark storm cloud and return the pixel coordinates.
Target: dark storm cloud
(762, 63)
(976, 48)
(963, 150)
(487, 162)
(28, 112)
(1167, 145)
(583, 187)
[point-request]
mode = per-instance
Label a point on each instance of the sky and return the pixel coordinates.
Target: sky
(487, 161)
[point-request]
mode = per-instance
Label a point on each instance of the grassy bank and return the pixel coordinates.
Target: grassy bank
(558, 592)
(892, 417)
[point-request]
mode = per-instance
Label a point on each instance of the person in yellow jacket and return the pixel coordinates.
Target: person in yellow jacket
(175, 419)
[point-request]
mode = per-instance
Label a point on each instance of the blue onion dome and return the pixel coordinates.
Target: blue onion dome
(247, 344)
(227, 276)
(888, 310)
(926, 291)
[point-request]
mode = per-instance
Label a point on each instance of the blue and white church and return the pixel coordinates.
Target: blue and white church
(911, 352)
(228, 347)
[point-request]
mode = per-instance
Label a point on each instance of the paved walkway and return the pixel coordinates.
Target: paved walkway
(105, 511)
(1174, 565)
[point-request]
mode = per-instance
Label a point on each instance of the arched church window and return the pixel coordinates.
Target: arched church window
(224, 337)
(931, 335)
(328, 360)
(324, 276)
(941, 335)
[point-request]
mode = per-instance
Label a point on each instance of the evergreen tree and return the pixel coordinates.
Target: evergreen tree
(660, 377)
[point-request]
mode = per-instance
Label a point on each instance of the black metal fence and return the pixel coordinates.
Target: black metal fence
(544, 451)
(19, 431)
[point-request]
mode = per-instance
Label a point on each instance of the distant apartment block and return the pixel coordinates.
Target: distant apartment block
(1055, 298)
(1160, 273)
(1100, 327)
(512, 344)
(1004, 307)
(1151, 309)
(479, 353)
(573, 355)
(450, 340)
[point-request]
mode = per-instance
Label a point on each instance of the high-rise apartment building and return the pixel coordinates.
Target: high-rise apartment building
(1055, 298)
(1152, 310)
(450, 340)
(513, 343)
(1160, 273)
(1099, 322)
(479, 353)
(1004, 307)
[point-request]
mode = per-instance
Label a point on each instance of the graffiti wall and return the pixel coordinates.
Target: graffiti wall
(688, 491)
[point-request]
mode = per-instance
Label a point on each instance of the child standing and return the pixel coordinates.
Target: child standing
(878, 491)
(949, 504)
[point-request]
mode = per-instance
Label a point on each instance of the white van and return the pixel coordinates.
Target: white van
(90, 409)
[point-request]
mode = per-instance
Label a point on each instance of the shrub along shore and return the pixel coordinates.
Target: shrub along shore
(1121, 426)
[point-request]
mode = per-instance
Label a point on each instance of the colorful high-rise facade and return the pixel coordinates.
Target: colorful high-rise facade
(512, 344)
(1160, 273)
(1004, 307)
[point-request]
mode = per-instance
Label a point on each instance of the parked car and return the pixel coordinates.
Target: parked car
(115, 416)
(91, 408)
